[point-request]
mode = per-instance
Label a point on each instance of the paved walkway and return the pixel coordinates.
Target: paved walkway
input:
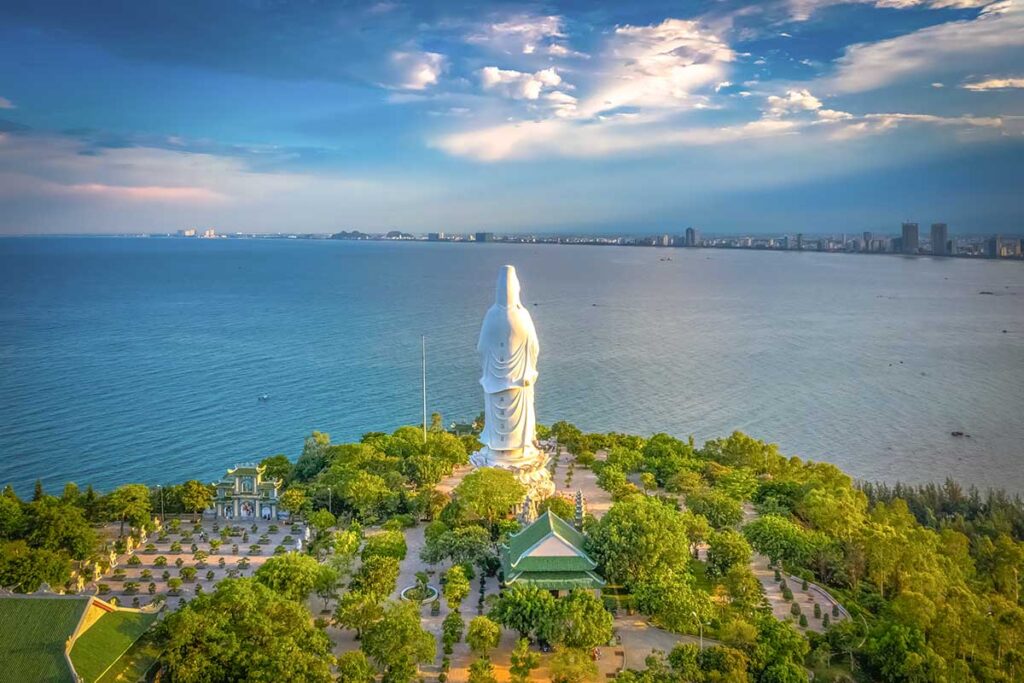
(807, 599)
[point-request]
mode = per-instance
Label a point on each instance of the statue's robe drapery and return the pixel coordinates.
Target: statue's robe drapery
(508, 349)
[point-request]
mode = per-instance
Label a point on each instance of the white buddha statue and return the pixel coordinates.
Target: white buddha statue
(508, 351)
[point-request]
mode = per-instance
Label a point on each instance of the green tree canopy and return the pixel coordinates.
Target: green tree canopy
(639, 536)
(196, 496)
(130, 503)
(397, 642)
(59, 527)
(377, 576)
(580, 621)
(488, 493)
(523, 661)
(673, 599)
(727, 549)
(720, 509)
(483, 635)
(277, 467)
(456, 586)
(353, 667)
(569, 665)
(386, 544)
(213, 638)
(524, 608)
(291, 575)
(482, 671)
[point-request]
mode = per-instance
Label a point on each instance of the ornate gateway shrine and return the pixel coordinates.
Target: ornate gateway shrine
(243, 493)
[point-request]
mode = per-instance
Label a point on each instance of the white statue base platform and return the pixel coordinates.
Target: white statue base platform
(529, 466)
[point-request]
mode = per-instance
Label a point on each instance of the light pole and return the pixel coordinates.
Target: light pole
(700, 626)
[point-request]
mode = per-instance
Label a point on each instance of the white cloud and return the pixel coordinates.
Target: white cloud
(562, 104)
(958, 46)
(6, 103)
(794, 101)
(659, 66)
(417, 70)
(517, 84)
(994, 84)
(802, 10)
(526, 34)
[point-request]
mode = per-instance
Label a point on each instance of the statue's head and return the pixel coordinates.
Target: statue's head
(507, 293)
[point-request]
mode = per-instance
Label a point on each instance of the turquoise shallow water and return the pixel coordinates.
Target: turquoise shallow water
(142, 359)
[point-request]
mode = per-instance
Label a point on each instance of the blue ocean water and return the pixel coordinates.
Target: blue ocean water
(142, 359)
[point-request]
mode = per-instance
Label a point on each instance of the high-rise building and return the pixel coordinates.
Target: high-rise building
(867, 240)
(485, 237)
(992, 247)
(692, 236)
(799, 241)
(435, 236)
(664, 241)
(940, 238)
(785, 242)
(909, 238)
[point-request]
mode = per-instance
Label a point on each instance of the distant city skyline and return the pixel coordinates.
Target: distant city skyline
(731, 116)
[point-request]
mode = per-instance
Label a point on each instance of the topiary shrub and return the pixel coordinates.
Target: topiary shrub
(803, 620)
(794, 609)
(787, 594)
(817, 611)
(804, 585)
(835, 610)
(778, 575)
(826, 622)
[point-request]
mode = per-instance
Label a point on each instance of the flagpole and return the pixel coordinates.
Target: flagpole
(423, 353)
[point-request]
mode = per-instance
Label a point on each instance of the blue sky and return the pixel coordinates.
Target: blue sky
(763, 117)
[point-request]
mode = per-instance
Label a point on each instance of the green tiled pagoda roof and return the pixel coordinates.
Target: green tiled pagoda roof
(515, 555)
(556, 580)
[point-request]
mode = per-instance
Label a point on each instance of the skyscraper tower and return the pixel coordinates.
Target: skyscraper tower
(691, 237)
(940, 238)
(993, 247)
(867, 241)
(909, 242)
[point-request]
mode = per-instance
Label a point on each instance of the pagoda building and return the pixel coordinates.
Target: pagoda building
(549, 554)
(243, 493)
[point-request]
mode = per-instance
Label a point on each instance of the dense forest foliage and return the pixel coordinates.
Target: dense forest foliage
(930, 575)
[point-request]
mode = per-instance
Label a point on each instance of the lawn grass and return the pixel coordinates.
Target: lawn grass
(33, 632)
(109, 638)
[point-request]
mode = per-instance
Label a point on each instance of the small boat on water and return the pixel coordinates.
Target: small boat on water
(263, 397)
